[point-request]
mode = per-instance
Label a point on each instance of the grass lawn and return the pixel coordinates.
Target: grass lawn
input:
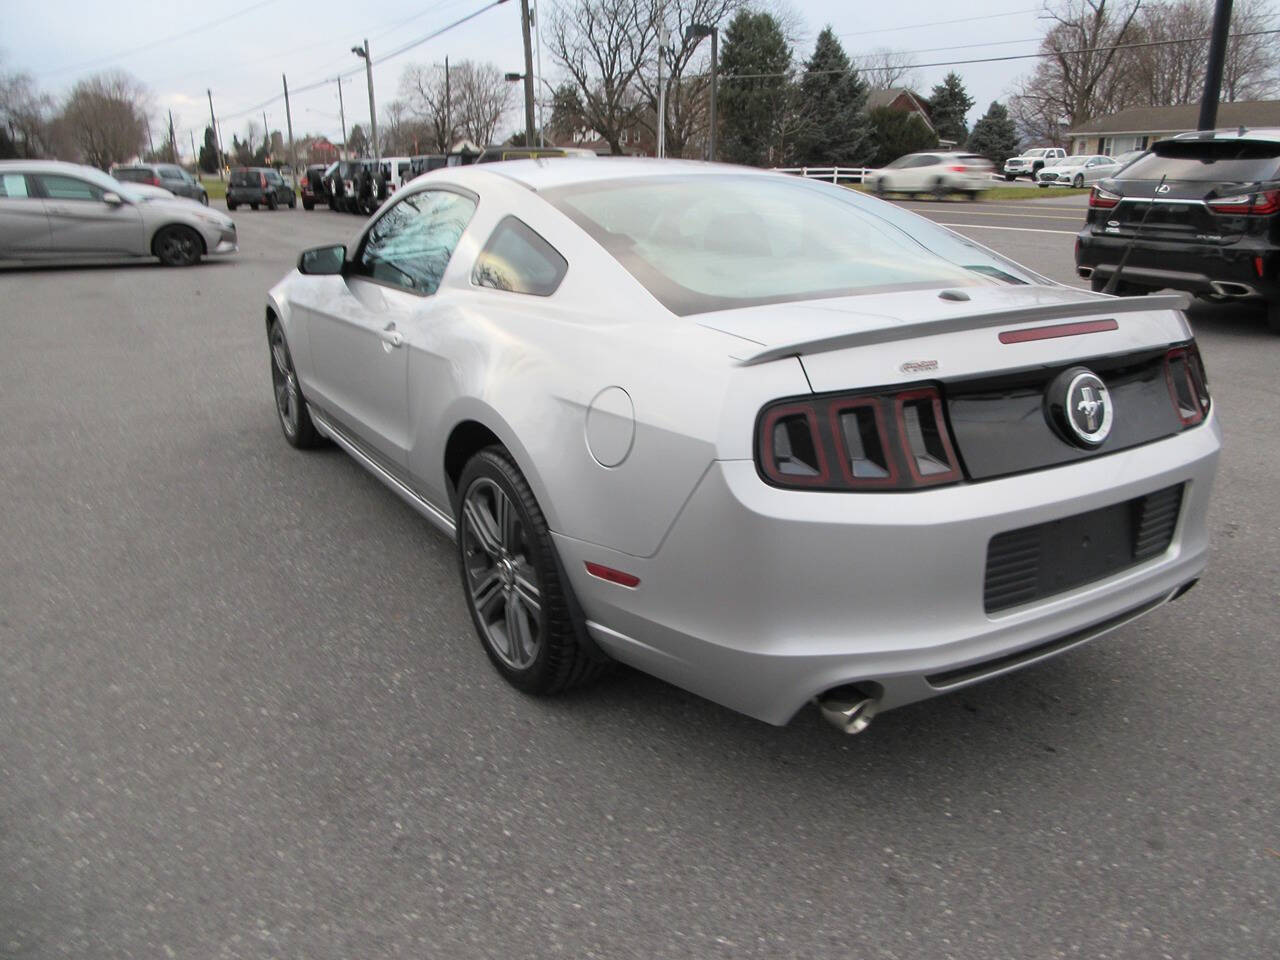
(217, 189)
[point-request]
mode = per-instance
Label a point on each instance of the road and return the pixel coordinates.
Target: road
(243, 712)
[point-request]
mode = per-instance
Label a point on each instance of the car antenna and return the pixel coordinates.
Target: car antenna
(1114, 282)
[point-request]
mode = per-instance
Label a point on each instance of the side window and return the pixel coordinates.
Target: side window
(68, 188)
(410, 245)
(518, 260)
(13, 185)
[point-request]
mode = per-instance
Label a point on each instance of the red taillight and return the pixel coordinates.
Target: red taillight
(957, 168)
(1188, 386)
(1249, 204)
(613, 576)
(153, 181)
(1101, 199)
(896, 440)
(262, 180)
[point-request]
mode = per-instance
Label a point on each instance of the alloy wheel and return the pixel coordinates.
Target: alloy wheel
(501, 582)
(285, 382)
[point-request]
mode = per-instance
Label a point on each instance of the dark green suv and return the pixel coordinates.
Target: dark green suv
(259, 186)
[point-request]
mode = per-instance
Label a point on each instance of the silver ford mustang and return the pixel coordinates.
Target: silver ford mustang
(64, 211)
(771, 440)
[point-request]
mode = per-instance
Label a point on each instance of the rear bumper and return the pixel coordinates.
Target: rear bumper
(760, 598)
(1194, 268)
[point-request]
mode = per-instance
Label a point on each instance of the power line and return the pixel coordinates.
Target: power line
(940, 23)
(315, 85)
(1018, 56)
(963, 46)
(155, 43)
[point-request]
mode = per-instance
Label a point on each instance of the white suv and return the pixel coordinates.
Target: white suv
(1030, 162)
(939, 174)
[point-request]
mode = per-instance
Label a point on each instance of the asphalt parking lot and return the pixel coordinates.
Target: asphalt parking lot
(243, 712)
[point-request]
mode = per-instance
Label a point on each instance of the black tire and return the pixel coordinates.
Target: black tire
(1273, 316)
(253, 206)
(974, 194)
(511, 566)
(308, 204)
(293, 201)
(272, 202)
(881, 190)
(939, 191)
(231, 205)
(1009, 177)
(204, 198)
(1078, 182)
(291, 407)
(177, 246)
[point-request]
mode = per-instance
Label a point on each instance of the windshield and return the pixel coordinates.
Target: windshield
(1239, 161)
(107, 182)
(1037, 152)
(703, 243)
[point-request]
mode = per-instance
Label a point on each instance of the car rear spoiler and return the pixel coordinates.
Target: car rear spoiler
(972, 321)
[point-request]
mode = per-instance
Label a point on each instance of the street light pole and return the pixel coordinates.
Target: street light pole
(342, 117)
(363, 52)
(217, 132)
(1213, 72)
(699, 31)
(528, 74)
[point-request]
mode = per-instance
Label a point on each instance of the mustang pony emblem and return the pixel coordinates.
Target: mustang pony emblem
(1089, 405)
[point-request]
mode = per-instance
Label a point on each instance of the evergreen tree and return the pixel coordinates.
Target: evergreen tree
(896, 133)
(754, 110)
(833, 99)
(995, 136)
(209, 152)
(949, 103)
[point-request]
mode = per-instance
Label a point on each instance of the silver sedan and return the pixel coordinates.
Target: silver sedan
(771, 440)
(64, 211)
(1078, 171)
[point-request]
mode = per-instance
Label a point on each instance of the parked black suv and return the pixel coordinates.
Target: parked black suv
(1202, 213)
(168, 175)
(312, 187)
(259, 186)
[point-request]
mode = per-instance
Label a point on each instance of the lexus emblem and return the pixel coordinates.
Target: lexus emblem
(1163, 188)
(1079, 407)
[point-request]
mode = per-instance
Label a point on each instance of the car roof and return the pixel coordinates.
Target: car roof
(549, 172)
(46, 166)
(1266, 134)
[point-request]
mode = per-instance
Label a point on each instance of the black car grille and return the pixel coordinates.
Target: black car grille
(1050, 558)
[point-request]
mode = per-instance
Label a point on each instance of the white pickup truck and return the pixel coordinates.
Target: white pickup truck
(1030, 162)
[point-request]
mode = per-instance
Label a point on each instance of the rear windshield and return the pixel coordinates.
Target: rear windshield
(703, 243)
(172, 173)
(1212, 160)
(131, 173)
(245, 178)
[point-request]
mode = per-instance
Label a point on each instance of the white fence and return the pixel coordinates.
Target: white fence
(829, 174)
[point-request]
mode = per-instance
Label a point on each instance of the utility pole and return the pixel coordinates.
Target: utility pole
(448, 110)
(363, 53)
(528, 74)
(700, 30)
(266, 135)
(195, 157)
(150, 142)
(342, 115)
(217, 133)
(661, 23)
(288, 119)
(1213, 73)
(537, 37)
(173, 139)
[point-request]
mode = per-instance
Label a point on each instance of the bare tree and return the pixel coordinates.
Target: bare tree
(1167, 73)
(423, 89)
(106, 115)
(602, 46)
(26, 115)
(483, 96)
(885, 69)
(1078, 77)
(1252, 67)
(685, 73)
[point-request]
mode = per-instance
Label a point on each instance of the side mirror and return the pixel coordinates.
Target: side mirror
(322, 261)
(112, 198)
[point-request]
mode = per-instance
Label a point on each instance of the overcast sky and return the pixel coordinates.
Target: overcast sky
(239, 48)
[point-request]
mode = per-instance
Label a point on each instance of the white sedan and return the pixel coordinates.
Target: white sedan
(772, 440)
(937, 174)
(1077, 171)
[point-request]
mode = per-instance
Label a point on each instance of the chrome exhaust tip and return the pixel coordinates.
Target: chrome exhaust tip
(1226, 288)
(1084, 272)
(848, 708)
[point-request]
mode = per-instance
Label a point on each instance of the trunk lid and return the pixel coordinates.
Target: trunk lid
(906, 336)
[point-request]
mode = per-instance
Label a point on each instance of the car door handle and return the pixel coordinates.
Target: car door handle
(392, 336)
